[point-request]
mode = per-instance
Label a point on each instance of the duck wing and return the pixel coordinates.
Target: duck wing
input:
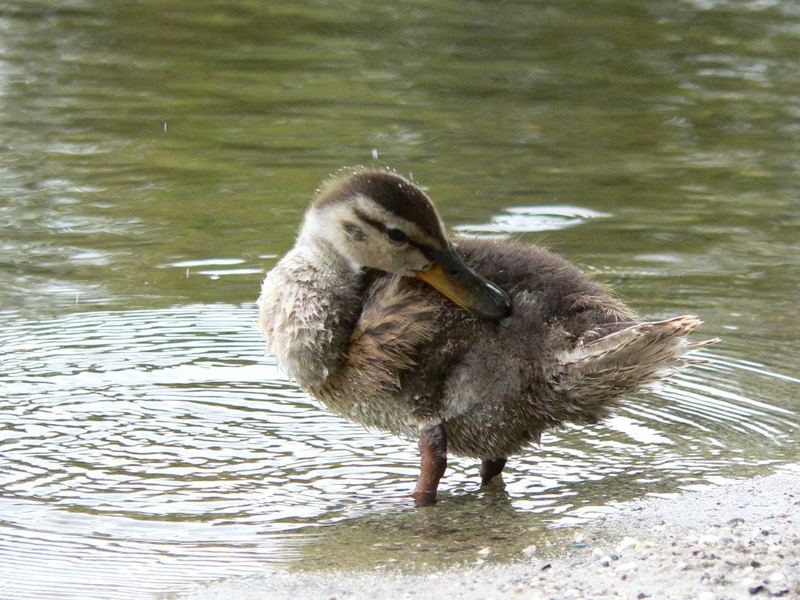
(396, 320)
(594, 373)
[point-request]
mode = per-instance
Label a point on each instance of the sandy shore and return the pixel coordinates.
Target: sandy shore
(740, 540)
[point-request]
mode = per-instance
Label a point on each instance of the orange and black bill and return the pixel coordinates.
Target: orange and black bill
(451, 276)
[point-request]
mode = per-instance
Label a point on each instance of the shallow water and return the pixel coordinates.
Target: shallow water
(155, 159)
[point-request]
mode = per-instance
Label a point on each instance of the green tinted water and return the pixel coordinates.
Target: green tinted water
(155, 159)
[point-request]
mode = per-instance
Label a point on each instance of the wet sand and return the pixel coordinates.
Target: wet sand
(739, 540)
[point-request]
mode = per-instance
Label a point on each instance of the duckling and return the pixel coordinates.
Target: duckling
(470, 346)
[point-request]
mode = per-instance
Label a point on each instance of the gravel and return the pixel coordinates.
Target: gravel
(739, 540)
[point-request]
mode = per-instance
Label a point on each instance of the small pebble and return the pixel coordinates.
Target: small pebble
(708, 539)
(627, 567)
(726, 538)
(578, 545)
(776, 577)
(627, 543)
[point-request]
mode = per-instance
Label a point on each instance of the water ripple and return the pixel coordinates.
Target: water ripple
(162, 446)
(527, 219)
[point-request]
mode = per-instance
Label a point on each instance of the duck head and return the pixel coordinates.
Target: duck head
(380, 220)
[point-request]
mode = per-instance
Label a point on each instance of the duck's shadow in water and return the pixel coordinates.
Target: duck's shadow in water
(471, 525)
(463, 527)
(454, 531)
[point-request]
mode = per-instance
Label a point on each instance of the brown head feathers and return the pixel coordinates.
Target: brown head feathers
(389, 190)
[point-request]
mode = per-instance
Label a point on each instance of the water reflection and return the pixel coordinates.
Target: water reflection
(529, 219)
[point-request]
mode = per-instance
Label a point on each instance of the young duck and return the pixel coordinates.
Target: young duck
(472, 346)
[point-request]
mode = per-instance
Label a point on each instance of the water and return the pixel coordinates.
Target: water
(155, 159)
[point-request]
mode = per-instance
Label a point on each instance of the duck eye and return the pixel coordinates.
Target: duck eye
(396, 235)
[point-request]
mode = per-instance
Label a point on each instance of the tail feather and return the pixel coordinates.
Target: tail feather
(598, 372)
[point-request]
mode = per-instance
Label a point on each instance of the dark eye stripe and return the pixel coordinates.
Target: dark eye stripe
(370, 221)
(354, 232)
(428, 251)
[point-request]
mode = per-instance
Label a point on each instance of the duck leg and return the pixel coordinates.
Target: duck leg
(433, 462)
(490, 468)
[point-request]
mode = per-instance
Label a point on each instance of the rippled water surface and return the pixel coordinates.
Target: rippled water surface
(155, 159)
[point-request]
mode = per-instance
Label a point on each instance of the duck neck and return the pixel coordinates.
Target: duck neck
(308, 307)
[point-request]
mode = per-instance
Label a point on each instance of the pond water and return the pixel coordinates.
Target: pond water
(155, 159)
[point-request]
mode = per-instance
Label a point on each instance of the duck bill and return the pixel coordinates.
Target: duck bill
(451, 276)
